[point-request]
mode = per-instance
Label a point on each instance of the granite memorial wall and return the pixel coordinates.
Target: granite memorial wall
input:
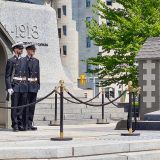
(32, 23)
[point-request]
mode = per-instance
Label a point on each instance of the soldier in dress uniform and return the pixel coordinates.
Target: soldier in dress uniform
(16, 85)
(33, 82)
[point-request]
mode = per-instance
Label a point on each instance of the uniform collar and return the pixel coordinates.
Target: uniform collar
(29, 57)
(17, 56)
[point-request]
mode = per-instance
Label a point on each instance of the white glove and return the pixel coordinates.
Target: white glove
(10, 91)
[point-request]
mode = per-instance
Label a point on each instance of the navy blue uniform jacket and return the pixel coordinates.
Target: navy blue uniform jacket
(34, 72)
(16, 68)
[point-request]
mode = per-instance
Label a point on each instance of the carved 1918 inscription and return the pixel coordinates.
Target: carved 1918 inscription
(25, 31)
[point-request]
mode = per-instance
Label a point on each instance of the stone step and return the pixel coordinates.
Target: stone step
(78, 109)
(84, 116)
(66, 105)
(41, 116)
(81, 150)
(66, 122)
(99, 157)
(153, 116)
(99, 110)
(41, 123)
(51, 111)
(141, 125)
(144, 155)
(45, 112)
(68, 116)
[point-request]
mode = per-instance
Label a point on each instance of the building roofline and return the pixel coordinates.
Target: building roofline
(150, 49)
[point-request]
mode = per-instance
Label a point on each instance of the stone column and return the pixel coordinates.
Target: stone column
(149, 81)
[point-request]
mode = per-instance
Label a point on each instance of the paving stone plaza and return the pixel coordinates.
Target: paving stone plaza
(90, 142)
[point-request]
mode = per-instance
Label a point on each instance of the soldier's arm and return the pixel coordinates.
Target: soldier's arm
(8, 74)
(38, 73)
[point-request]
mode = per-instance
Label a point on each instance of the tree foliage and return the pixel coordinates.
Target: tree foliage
(130, 26)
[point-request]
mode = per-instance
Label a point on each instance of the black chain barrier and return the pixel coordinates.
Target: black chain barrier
(80, 102)
(130, 127)
(112, 102)
(31, 104)
(96, 105)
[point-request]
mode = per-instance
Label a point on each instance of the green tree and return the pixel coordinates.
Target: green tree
(129, 28)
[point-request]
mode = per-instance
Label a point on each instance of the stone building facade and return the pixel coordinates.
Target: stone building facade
(149, 76)
(68, 37)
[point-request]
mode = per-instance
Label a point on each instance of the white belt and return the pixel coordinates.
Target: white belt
(32, 79)
(20, 78)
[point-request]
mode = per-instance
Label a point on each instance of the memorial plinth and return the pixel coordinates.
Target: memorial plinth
(32, 23)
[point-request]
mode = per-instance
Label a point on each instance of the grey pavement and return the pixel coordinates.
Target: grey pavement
(89, 142)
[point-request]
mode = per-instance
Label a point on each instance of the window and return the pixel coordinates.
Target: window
(64, 50)
(112, 93)
(64, 10)
(88, 3)
(120, 92)
(109, 2)
(108, 22)
(109, 92)
(65, 30)
(89, 67)
(88, 19)
(88, 42)
(59, 32)
(59, 12)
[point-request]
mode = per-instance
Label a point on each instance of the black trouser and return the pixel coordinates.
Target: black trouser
(17, 99)
(31, 98)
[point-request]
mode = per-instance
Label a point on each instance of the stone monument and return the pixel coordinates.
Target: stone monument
(149, 76)
(36, 23)
(31, 23)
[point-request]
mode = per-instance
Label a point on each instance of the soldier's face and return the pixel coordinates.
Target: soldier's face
(18, 51)
(31, 52)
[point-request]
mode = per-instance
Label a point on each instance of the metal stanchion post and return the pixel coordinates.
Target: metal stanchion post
(55, 114)
(130, 112)
(139, 104)
(130, 130)
(61, 138)
(103, 120)
(55, 107)
(55, 123)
